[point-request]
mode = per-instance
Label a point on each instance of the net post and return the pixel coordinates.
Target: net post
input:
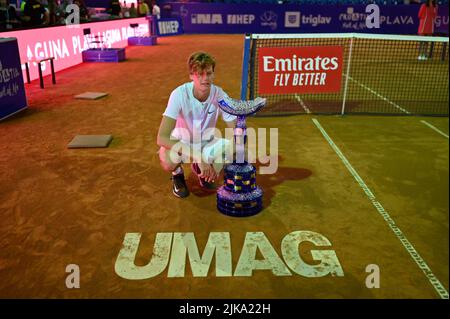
(347, 75)
(245, 63)
(252, 70)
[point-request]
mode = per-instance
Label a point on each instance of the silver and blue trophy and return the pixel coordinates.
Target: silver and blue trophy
(240, 196)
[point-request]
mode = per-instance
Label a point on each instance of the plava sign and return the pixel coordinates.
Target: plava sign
(65, 44)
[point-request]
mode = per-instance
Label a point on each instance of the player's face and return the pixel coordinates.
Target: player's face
(203, 79)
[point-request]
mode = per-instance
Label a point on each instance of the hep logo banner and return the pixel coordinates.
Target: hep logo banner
(316, 69)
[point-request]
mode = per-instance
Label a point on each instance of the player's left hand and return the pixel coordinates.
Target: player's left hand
(213, 175)
(206, 171)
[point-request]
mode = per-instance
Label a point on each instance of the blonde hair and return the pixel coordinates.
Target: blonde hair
(200, 61)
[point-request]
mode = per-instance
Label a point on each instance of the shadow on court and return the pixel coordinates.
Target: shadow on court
(268, 182)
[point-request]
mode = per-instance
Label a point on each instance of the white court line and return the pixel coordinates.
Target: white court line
(443, 293)
(379, 95)
(302, 104)
(434, 128)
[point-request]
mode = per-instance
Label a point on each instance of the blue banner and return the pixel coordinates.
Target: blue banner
(294, 18)
(12, 91)
(169, 26)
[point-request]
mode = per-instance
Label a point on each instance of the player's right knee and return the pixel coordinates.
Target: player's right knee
(166, 162)
(169, 167)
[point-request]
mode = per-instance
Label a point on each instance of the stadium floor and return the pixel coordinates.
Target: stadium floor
(64, 206)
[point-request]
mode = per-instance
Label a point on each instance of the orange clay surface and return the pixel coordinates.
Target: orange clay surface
(61, 206)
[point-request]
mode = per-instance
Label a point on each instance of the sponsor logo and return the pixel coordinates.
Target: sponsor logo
(7, 78)
(269, 19)
(315, 20)
(66, 44)
(357, 20)
(292, 19)
(240, 18)
(168, 27)
(183, 11)
(206, 18)
(315, 69)
(350, 15)
(396, 20)
(441, 21)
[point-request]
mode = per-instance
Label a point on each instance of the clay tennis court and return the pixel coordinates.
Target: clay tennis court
(63, 206)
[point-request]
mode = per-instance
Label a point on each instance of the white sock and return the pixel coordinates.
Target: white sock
(178, 170)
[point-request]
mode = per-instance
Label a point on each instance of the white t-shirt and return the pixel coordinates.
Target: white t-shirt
(156, 11)
(192, 114)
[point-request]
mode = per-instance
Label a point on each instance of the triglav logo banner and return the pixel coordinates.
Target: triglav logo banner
(315, 69)
(292, 19)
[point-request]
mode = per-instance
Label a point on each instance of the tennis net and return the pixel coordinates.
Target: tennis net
(376, 74)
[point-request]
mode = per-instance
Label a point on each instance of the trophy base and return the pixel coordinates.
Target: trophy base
(239, 204)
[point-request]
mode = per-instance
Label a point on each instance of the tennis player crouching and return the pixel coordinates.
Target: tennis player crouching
(193, 110)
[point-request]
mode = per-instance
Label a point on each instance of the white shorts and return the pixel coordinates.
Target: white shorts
(214, 151)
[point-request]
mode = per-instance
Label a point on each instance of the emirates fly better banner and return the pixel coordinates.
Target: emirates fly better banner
(315, 69)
